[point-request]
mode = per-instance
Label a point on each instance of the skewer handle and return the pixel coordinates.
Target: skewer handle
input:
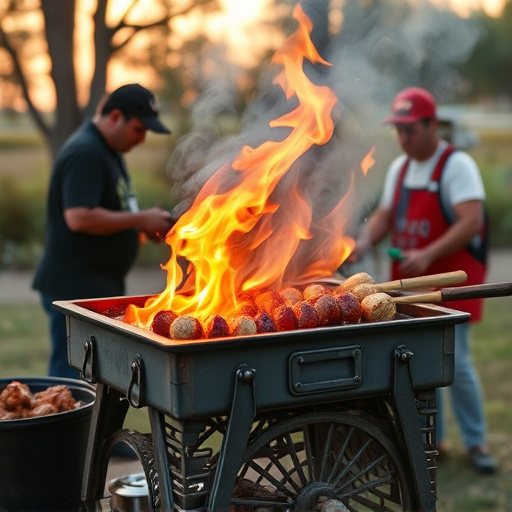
(413, 283)
(477, 291)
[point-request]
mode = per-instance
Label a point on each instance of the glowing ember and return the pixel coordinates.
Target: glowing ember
(236, 237)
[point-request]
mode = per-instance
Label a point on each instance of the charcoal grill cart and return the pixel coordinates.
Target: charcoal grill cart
(332, 418)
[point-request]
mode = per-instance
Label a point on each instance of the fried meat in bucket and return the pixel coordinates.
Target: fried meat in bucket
(17, 401)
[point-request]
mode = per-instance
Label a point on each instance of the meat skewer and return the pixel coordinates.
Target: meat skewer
(380, 306)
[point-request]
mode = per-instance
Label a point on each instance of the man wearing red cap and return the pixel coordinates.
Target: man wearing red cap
(433, 207)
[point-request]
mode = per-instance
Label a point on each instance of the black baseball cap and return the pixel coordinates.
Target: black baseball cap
(136, 101)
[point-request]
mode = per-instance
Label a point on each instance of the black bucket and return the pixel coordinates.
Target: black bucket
(42, 458)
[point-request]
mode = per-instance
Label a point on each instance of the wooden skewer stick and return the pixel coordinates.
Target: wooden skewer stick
(434, 280)
(412, 283)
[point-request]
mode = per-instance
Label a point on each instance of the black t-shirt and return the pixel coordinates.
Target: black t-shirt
(87, 173)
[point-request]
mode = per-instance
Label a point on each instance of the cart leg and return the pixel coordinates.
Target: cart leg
(405, 405)
(233, 446)
(157, 422)
(108, 415)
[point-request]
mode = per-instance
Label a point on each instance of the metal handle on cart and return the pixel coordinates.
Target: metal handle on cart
(134, 393)
(314, 371)
(88, 364)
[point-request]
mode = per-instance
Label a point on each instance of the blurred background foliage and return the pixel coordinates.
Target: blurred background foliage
(377, 47)
(24, 181)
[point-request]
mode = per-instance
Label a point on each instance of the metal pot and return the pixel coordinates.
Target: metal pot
(130, 494)
(27, 446)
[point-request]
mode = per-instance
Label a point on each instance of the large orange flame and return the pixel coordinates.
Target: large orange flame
(237, 236)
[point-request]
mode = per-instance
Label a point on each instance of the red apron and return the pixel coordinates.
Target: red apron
(419, 219)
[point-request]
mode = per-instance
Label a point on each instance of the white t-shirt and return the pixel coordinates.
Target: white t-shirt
(461, 180)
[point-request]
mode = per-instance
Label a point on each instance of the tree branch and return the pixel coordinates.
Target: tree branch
(136, 28)
(191, 6)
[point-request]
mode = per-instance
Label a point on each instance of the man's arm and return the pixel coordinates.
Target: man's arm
(100, 221)
(375, 230)
(469, 220)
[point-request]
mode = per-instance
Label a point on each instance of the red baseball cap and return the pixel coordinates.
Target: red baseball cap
(411, 105)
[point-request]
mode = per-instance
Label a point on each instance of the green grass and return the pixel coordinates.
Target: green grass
(24, 340)
(459, 487)
(24, 351)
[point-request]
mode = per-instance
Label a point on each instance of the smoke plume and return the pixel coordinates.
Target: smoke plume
(380, 48)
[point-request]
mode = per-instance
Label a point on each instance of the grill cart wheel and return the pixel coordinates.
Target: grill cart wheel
(335, 460)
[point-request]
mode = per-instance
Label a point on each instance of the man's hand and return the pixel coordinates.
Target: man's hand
(362, 244)
(159, 222)
(155, 219)
(415, 262)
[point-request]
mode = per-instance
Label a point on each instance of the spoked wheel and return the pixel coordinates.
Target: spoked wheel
(315, 461)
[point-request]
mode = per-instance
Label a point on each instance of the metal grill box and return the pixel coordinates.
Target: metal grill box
(194, 379)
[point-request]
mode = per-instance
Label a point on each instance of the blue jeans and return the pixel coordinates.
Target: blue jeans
(58, 365)
(465, 394)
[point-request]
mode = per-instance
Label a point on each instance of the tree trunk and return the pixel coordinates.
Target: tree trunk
(102, 53)
(59, 20)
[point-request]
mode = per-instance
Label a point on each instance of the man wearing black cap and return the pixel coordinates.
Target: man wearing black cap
(433, 207)
(93, 220)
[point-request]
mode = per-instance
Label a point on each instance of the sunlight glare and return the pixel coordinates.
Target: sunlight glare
(466, 7)
(242, 10)
(235, 26)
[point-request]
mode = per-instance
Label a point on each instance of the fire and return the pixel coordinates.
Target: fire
(368, 162)
(252, 227)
